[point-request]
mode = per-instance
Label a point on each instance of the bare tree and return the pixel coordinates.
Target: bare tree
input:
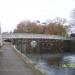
(59, 20)
(72, 21)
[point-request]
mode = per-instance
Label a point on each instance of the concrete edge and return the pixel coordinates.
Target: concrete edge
(29, 63)
(1, 45)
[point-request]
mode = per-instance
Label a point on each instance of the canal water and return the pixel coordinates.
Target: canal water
(60, 65)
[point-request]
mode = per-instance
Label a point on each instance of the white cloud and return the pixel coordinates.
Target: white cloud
(14, 11)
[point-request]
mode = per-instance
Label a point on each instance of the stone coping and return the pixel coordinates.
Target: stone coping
(37, 70)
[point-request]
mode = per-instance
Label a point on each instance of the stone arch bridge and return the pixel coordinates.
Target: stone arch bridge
(45, 42)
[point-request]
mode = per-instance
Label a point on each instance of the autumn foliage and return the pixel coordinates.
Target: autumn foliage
(53, 28)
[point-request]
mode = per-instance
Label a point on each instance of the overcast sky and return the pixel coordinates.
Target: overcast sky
(14, 11)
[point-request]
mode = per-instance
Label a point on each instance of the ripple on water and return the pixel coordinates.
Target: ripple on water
(53, 66)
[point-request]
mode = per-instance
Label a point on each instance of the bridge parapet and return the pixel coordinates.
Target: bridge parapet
(31, 36)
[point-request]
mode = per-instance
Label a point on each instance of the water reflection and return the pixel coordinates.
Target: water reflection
(55, 62)
(54, 66)
(69, 59)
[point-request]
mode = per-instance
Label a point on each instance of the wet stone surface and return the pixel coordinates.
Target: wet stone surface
(11, 64)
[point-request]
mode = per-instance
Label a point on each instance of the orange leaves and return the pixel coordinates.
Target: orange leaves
(31, 27)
